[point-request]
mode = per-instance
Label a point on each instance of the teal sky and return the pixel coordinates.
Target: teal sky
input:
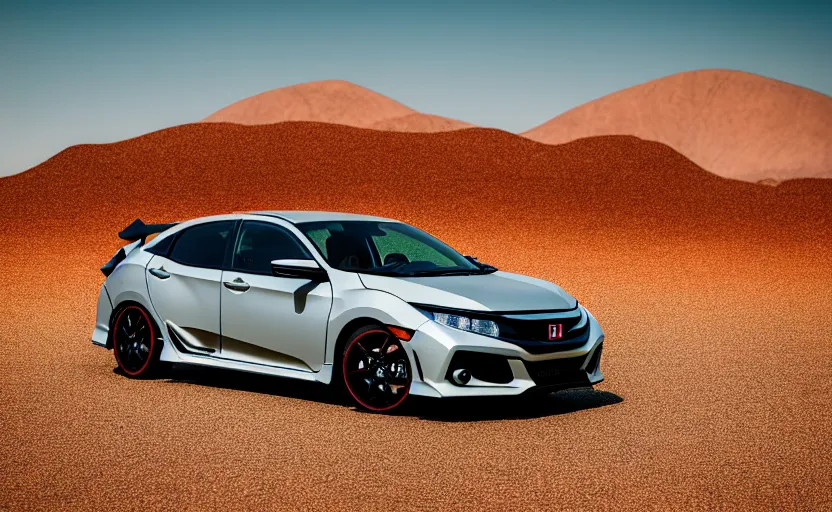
(86, 72)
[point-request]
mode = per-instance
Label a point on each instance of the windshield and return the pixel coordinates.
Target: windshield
(387, 248)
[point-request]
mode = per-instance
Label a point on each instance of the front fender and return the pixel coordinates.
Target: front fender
(375, 305)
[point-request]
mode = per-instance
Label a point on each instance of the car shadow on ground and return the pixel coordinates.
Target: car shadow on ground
(537, 405)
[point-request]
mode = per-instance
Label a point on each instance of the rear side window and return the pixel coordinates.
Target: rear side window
(260, 243)
(162, 246)
(203, 245)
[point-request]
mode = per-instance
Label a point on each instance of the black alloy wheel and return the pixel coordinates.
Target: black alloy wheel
(376, 369)
(134, 341)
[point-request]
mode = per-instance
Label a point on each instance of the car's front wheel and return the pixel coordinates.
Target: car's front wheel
(134, 341)
(376, 369)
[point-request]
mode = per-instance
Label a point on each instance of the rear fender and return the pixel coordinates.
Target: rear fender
(118, 257)
(128, 283)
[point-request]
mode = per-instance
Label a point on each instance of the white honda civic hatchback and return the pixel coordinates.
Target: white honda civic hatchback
(371, 305)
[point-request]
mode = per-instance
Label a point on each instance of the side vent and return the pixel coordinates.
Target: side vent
(182, 345)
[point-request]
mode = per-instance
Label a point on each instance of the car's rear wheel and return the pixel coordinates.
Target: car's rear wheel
(376, 369)
(134, 342)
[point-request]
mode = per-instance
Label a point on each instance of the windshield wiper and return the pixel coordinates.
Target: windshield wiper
(399, 271)
(445, 272)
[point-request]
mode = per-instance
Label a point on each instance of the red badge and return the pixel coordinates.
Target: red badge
(555, 331)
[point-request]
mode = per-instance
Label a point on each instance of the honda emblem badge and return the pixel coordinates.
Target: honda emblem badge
(555, 331)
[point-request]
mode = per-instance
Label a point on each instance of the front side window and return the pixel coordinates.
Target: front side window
(260, 243)
(203, 245)
(389, 248)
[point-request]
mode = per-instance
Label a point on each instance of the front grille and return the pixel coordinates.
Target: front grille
(530, 329)
(533, 334)
(557, 371)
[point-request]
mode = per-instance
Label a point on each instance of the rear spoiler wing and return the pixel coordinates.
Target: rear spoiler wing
(137, 232)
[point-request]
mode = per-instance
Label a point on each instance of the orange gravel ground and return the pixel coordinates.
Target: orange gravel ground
(716, 298)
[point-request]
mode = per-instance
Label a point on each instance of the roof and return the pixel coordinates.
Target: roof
(297, 217)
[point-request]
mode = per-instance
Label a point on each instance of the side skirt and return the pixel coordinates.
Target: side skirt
(171, 355)
(215, 362)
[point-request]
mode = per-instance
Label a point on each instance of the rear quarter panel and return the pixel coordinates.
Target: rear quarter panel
(128, 281)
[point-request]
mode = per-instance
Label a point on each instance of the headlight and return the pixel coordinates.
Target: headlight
(463, 323)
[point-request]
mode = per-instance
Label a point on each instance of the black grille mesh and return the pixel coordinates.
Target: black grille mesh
(533, 335)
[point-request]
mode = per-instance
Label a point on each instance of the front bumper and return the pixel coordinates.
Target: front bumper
(433, 347)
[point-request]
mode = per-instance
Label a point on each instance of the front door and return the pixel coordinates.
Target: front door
(275, 321)
(184, 286)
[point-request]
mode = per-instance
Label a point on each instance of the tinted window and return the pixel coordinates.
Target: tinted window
(384, 248)
(203, 245)
(393, 242)
(260, 243)
(162, 246)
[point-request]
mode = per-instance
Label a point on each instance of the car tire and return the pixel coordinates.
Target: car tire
(137, 342)
(375, 381)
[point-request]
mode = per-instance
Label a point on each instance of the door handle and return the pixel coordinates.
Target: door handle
(159, 272)
(237, 285)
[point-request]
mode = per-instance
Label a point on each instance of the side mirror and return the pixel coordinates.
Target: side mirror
(299, 269)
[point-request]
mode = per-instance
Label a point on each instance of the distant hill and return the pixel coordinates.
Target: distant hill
(331, 101)
(734, 124)
(417, 122)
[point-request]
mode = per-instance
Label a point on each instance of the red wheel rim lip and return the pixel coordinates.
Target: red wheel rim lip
(152, 341)
(347, 382)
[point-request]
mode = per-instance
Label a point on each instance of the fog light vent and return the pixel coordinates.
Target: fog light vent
(489, 368)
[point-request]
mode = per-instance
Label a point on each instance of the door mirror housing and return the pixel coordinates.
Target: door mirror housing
(299, 269)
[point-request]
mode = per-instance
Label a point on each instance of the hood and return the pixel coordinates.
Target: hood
(500, 291)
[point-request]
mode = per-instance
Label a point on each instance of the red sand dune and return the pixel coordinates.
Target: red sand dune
(606, 182)
(331, 101)
(734, 124)
(714, 295)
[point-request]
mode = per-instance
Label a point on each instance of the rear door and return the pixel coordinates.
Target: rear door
(275, 321)
(184, 285)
